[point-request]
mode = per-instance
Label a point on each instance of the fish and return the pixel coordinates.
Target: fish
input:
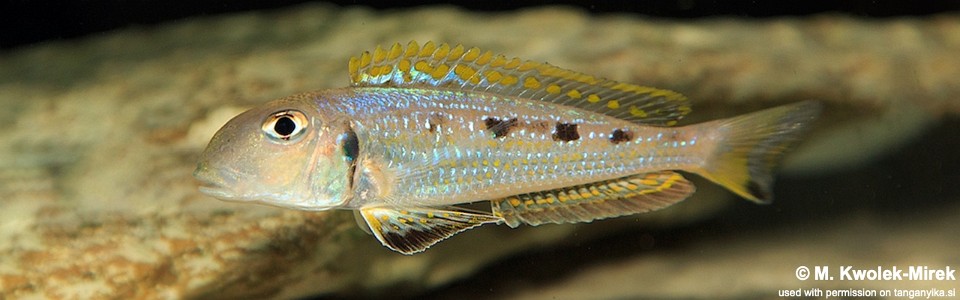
(425, 130)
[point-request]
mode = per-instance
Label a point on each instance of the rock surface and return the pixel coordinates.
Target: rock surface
(759, 265)
(100, 137)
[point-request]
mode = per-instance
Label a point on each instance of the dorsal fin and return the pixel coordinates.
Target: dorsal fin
(476, 70)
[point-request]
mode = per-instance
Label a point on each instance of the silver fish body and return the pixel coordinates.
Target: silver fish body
(434, 147)
(424, 129)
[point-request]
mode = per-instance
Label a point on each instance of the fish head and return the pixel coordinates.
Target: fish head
(284, 153)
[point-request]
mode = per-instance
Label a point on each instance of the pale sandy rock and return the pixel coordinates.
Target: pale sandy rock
(100, 135)
(760, 266)
(894, 213)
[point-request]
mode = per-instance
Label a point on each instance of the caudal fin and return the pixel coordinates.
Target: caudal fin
(750, 147)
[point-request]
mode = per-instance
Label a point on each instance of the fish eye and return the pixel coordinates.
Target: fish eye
(285, 125)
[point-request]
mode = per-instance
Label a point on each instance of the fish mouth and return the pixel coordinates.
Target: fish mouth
(214, 182)
(214, 190)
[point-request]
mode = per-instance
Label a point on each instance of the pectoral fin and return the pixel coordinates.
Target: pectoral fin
(411, 230)
(598, 200)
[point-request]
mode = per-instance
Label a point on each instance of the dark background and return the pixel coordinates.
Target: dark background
(25, 22)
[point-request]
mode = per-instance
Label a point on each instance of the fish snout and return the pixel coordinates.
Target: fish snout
(213, 181)
(203, 173)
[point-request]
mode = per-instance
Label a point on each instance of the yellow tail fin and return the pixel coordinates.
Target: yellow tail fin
(750, 147)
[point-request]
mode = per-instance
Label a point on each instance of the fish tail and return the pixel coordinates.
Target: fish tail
(751, 146)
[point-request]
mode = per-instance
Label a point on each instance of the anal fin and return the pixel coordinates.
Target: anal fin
(594, 201)
(411, 230)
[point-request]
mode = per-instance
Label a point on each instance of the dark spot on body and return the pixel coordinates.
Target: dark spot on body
(500, 127)
(620, 136)
(434, 122)
(566, 132)
(674, 136)
(540, 126)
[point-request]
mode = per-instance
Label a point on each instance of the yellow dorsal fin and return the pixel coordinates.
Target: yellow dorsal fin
(477, 70)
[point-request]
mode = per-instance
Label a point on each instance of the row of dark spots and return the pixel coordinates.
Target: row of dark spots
(566, 132)
(563, 132)
(501, 128)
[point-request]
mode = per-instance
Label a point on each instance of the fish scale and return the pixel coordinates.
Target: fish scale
(425, 128)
